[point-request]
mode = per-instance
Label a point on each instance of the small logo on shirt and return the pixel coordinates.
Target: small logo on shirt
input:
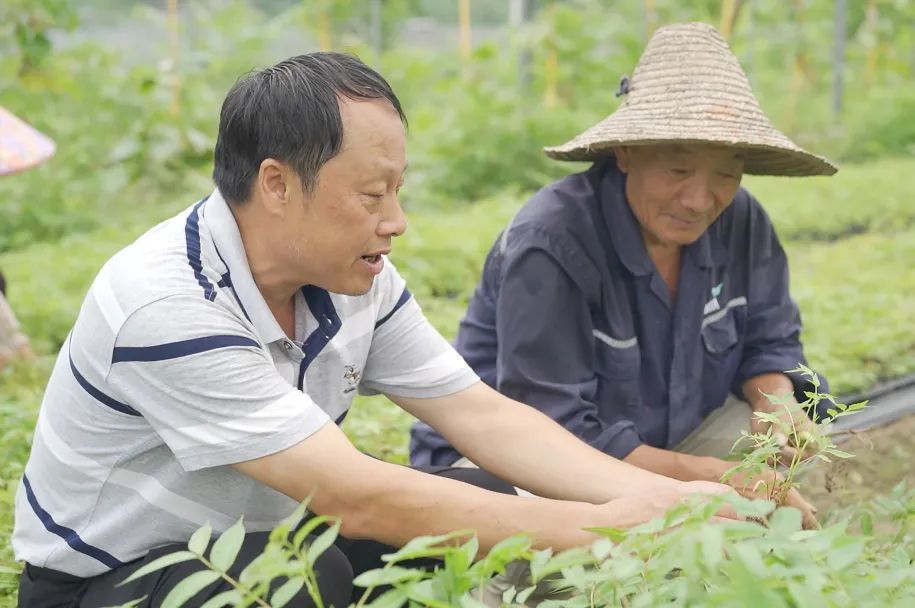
(352, 376)
(713, 305)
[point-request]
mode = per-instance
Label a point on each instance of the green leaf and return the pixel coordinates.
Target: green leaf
(200, 539)
(470, 549)
(320, 544)
(617, 535)
(286, 592)
(601, 548)
(157, 564)
(468, 601)
(226, 547)
(524, 594)
(392, 598)
(867, 523)
(570, 557)
(307, 528)
(188, 588)
(785, 520)
(712, 546)
(845, 552)
(538, 562)
(426, 546)
(803, 595)
(229, 598)
(132, 603)
(387, 576)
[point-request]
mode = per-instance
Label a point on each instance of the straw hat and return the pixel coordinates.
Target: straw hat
(21, 146)
(688, 87)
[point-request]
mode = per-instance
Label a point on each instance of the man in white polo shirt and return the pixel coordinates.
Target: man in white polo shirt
(212, 358)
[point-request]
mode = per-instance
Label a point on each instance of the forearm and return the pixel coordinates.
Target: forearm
(776, 384)
(396, 504)
(393, 504)
(521, 445)
(684, 467)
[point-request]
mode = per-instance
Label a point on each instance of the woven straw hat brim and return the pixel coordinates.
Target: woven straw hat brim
(688, 87)
(766, 153)
(21, 146)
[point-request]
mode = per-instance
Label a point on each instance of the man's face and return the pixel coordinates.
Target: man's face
(677, 191)
(336, 235)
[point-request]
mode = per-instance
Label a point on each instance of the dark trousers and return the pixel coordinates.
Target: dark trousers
(335, 569)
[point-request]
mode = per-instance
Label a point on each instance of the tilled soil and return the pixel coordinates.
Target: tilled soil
(883, 457)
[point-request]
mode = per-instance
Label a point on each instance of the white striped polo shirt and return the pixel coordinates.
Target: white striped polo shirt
(176, 368)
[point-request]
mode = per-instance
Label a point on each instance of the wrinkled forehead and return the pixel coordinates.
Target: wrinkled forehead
(699, 153)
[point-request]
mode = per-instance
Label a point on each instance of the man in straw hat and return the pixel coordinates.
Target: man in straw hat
(629, 301)
(21, 148)
(213, 359)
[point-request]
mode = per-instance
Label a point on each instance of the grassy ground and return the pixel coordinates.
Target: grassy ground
(850, 239)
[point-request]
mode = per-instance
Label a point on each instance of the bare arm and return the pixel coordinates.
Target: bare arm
(688, 467)
(528, 449)
(393, 504)
(776, 384)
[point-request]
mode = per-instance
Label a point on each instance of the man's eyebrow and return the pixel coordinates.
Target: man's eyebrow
(681, 149)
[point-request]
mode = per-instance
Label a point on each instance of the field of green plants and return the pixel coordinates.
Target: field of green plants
(135, 138)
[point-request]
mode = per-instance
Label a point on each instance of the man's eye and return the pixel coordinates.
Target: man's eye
(374, 194)
(680, 171)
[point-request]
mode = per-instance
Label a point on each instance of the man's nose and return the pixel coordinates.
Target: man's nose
(698, 196)
(394, 222)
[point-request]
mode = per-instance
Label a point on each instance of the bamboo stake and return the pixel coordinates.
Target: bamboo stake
(174, 45)
(728, 16)
(838, 59)
(324, 31)
(551, 70)
(464, 40)
(871, 19)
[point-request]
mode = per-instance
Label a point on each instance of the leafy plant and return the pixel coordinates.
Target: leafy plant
(276, 575)
(811, 445)
(681, 559)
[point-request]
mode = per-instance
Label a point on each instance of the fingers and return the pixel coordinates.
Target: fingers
(788, 454)
(808, 511)
(727, 512)
(708, 487)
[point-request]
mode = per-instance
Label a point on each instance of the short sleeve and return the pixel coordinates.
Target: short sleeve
(408, 357)
(206, 385)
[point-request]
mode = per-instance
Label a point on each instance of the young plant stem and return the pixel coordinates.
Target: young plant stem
(236, 584)
(311, 581)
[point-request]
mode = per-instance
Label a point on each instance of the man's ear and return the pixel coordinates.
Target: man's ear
(622, 154)
(272, 185)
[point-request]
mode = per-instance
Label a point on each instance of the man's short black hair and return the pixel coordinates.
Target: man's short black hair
(290, 112)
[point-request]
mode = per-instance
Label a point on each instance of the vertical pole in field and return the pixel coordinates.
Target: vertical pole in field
(324, 26)
(174, 46)
(377, 34)
(838, 58)
(464, 43)
(750, 29)
(728, 16)
(551, 69)
(871, 20)
(519, 14)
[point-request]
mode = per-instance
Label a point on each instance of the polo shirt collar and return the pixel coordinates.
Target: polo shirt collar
(231, 250)
(626, 232)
